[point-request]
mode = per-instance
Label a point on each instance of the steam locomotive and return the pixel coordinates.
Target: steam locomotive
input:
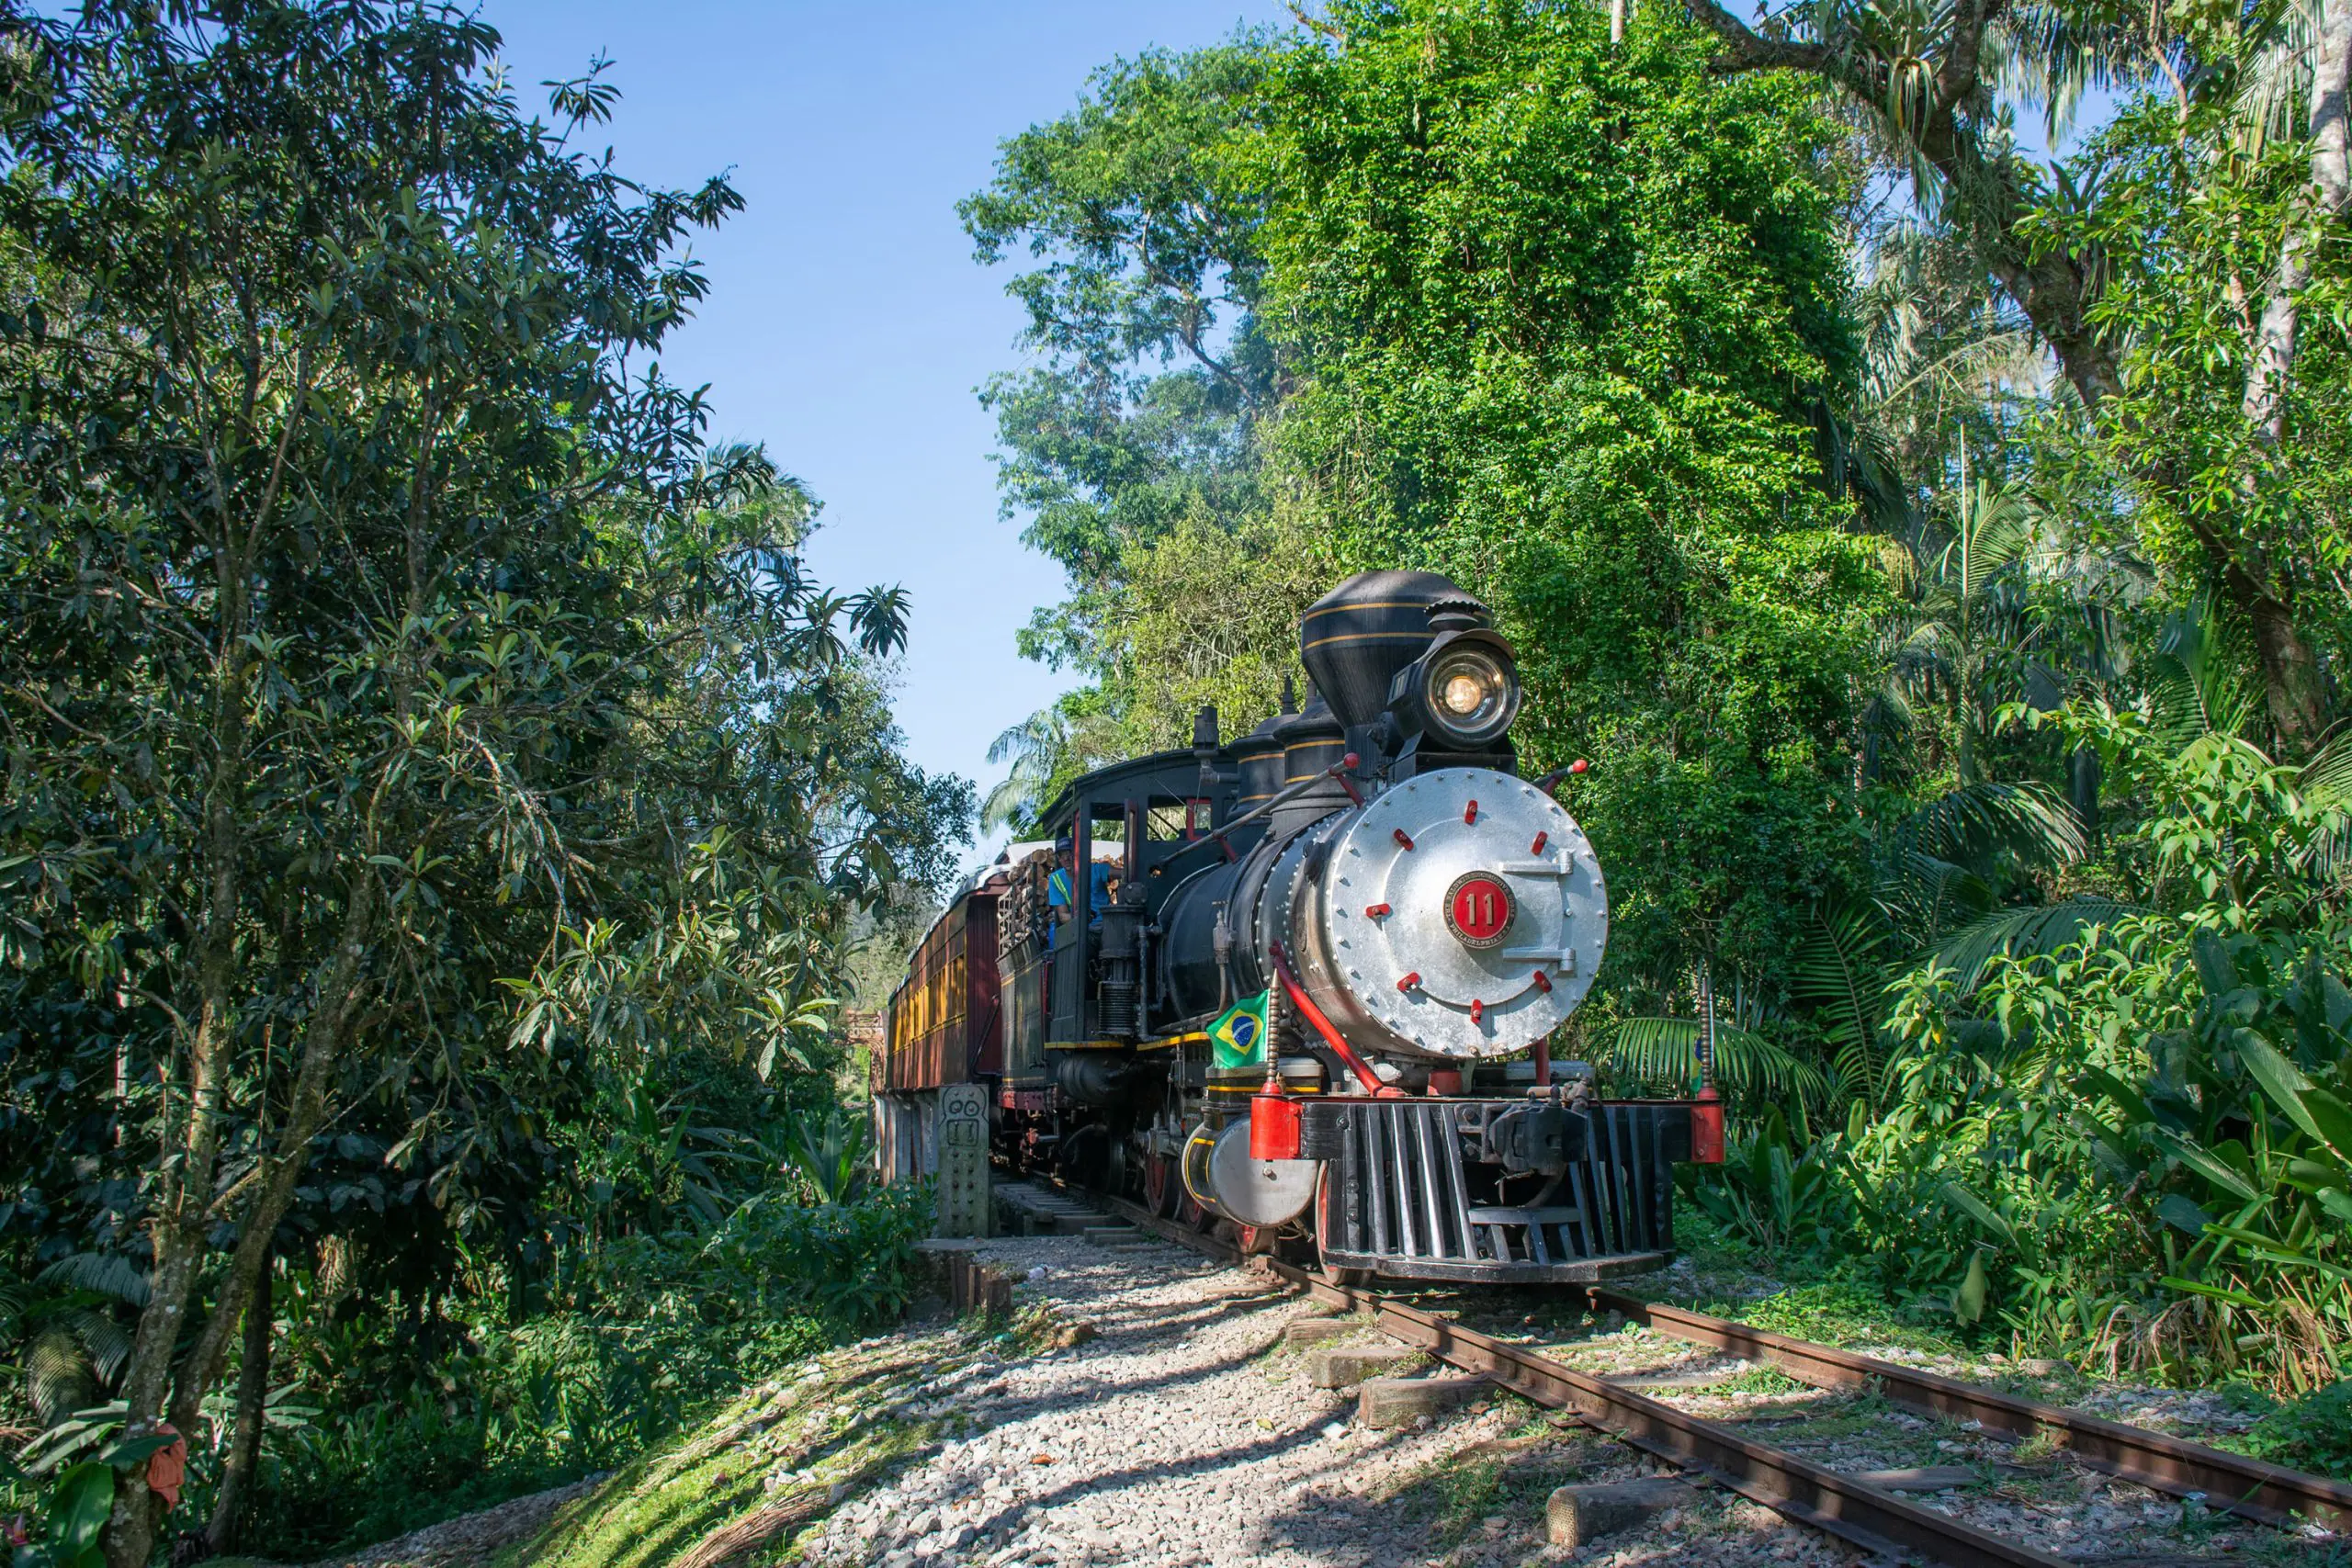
(1304, 982)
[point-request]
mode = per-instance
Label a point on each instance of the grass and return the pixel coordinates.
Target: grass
(2314, 1433)
(847, 1424)
(1837, 1313)
(1759, 1380)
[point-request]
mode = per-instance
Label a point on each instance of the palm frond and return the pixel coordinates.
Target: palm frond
(1969, 826)
(2326, 785)
(1841, 972)
(2273, 98)
(58, 1378)
(1997, 528)
(105, 1341)
(1927, 896)
(106, 1273)
(2036, 933)
(1663, 1053)
(2325, 781)
(2197, 682)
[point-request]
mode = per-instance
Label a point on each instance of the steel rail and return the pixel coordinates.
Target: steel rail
(1843, 1505)
(1876, 1521)
(2269, 1493)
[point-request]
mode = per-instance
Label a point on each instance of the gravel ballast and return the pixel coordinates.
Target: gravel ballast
(1180, 1433)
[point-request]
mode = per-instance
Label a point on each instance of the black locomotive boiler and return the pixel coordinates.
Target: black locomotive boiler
(1305, 981)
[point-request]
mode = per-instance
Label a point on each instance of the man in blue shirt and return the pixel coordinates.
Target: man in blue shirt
(1058, 887)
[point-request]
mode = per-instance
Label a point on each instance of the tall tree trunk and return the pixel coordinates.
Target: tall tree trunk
(253, 1410)
(272, 1181)
(131, 1531)
(2271, 367)
(190, 1154)
(2291, 675)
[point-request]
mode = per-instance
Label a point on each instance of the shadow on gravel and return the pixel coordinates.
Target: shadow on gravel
(999, 1409)
(1201, 1464)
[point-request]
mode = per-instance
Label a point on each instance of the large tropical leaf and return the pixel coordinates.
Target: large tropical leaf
(2030, 822)
(1997, 528)
(1927, 897)
(2326, 785)
(2196, 683)
(1841, 972)
(107, 1274)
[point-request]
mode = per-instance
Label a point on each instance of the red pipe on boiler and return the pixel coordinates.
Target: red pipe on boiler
(1314, 1015)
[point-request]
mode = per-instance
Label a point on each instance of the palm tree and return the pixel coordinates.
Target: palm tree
(1971, 629)
(1035, 748)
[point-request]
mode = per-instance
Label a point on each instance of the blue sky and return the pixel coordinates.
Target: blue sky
(848, 325)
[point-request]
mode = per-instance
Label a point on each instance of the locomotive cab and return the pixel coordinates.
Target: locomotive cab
(1306, 981)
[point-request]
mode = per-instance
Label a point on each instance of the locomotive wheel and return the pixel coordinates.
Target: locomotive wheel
(1256, 1239)
(1189, 1213)
(1160, 1185)
(1355, 1279)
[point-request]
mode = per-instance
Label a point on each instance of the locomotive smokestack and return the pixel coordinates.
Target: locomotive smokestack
(1355, 638)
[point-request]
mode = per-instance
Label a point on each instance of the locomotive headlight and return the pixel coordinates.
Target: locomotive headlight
(1470, 690)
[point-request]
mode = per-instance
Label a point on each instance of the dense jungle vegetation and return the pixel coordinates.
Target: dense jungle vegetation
(437, 799)
(1939, 551)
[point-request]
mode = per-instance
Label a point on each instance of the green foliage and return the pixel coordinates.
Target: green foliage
(1838, 1313)
(1662, 1053)
(2192, 1059)
(654, 1332)
(831, 1156)
(2312, 1433)
(2187, 211)
(437, 792)
(75, 1503)
(1565, 313)
(1915, 580)
(1555, 319)
(1769, 1192)
(1151, 261)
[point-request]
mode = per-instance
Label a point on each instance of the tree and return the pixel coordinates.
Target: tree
(1969, 634)
(378, 632)
(1566, 317)
(1142, 419)
(1927, 79)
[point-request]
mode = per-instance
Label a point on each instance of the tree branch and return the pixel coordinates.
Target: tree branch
(1750, 50)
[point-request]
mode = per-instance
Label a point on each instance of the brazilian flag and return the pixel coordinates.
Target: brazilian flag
(1237, 1038)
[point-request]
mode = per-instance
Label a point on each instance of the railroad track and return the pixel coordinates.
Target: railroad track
(1848, 1506)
